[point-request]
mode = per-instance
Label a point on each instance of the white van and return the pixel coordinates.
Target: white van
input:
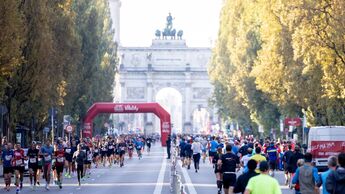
(325, 141)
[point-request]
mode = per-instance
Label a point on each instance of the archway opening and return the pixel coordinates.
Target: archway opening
(201, 121)
(171, 100)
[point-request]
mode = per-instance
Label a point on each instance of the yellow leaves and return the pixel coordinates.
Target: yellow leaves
(61, 89)
(293, 51)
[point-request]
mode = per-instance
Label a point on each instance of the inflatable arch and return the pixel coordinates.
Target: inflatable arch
(105, 107)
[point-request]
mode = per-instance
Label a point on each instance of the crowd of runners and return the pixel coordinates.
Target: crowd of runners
(256, 161)
(67, 159)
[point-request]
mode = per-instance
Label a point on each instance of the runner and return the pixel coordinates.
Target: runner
(130, 149)
(73, 149)
(196, 147)
(79, 157)
(218, 169)
(96, 155)
(122, 147)
(245, 159)
(263, 183)
(148, 144)
(68, 156)
(139, 146)
(182, 151)
(288, 168)
(104, 152)
(32, 156)
(272, 155)
(110, 152)
(7, 157)
(87, 165)
(212, 149)
(204, 147)
(59, 163)
(243, 179)
(19, 168)
(258, 158)
(117, 152)
(188, 153)
(229, 162)
(47, 152)
(39, 164)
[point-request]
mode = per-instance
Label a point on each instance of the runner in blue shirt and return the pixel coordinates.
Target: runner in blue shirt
(139, 146)
(213, 149)
(182, 151)
(47, 152)
(272, 155)
(7, 157)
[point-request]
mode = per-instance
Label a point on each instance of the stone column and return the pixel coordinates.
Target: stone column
(122, 100)
(123, 91)
(149, 98)
(188, 98)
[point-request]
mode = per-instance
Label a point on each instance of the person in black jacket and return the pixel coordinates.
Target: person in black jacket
(243, 179)
(335, 182)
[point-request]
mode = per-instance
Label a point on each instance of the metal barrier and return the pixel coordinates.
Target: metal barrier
(176, 186)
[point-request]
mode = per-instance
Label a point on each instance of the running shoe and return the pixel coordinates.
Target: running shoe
(47, 187)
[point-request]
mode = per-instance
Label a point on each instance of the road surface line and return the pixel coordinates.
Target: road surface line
(189, 183)
(160, 180)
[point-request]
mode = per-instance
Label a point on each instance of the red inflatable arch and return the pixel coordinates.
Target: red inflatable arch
(105, 107)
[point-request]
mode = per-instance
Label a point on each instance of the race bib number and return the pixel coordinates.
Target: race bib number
(32, 160)
(111, 147)
(89, 157)
(8, 157)
(122, 148)
(130, 147)
(96, 151)
(47, 158)
(60, 159)
(68, 151)
(148, 142)
(19, 162)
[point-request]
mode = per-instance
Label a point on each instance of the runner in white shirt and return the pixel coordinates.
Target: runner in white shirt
(196, 147)
(245, 159)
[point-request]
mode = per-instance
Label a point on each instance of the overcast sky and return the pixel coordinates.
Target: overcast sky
(199, 19)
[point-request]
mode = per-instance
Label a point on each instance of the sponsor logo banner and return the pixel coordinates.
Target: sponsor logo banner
(324, 149)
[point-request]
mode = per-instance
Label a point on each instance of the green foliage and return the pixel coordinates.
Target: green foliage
(279, 57)
(55, 53)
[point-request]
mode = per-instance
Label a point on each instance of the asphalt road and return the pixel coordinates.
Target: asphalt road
(146, 176)
(150, 175)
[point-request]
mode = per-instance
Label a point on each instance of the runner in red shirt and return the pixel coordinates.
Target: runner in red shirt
(18, 163)
(59, 164)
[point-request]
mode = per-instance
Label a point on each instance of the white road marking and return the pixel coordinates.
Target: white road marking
(160, 180)
(189, 183)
